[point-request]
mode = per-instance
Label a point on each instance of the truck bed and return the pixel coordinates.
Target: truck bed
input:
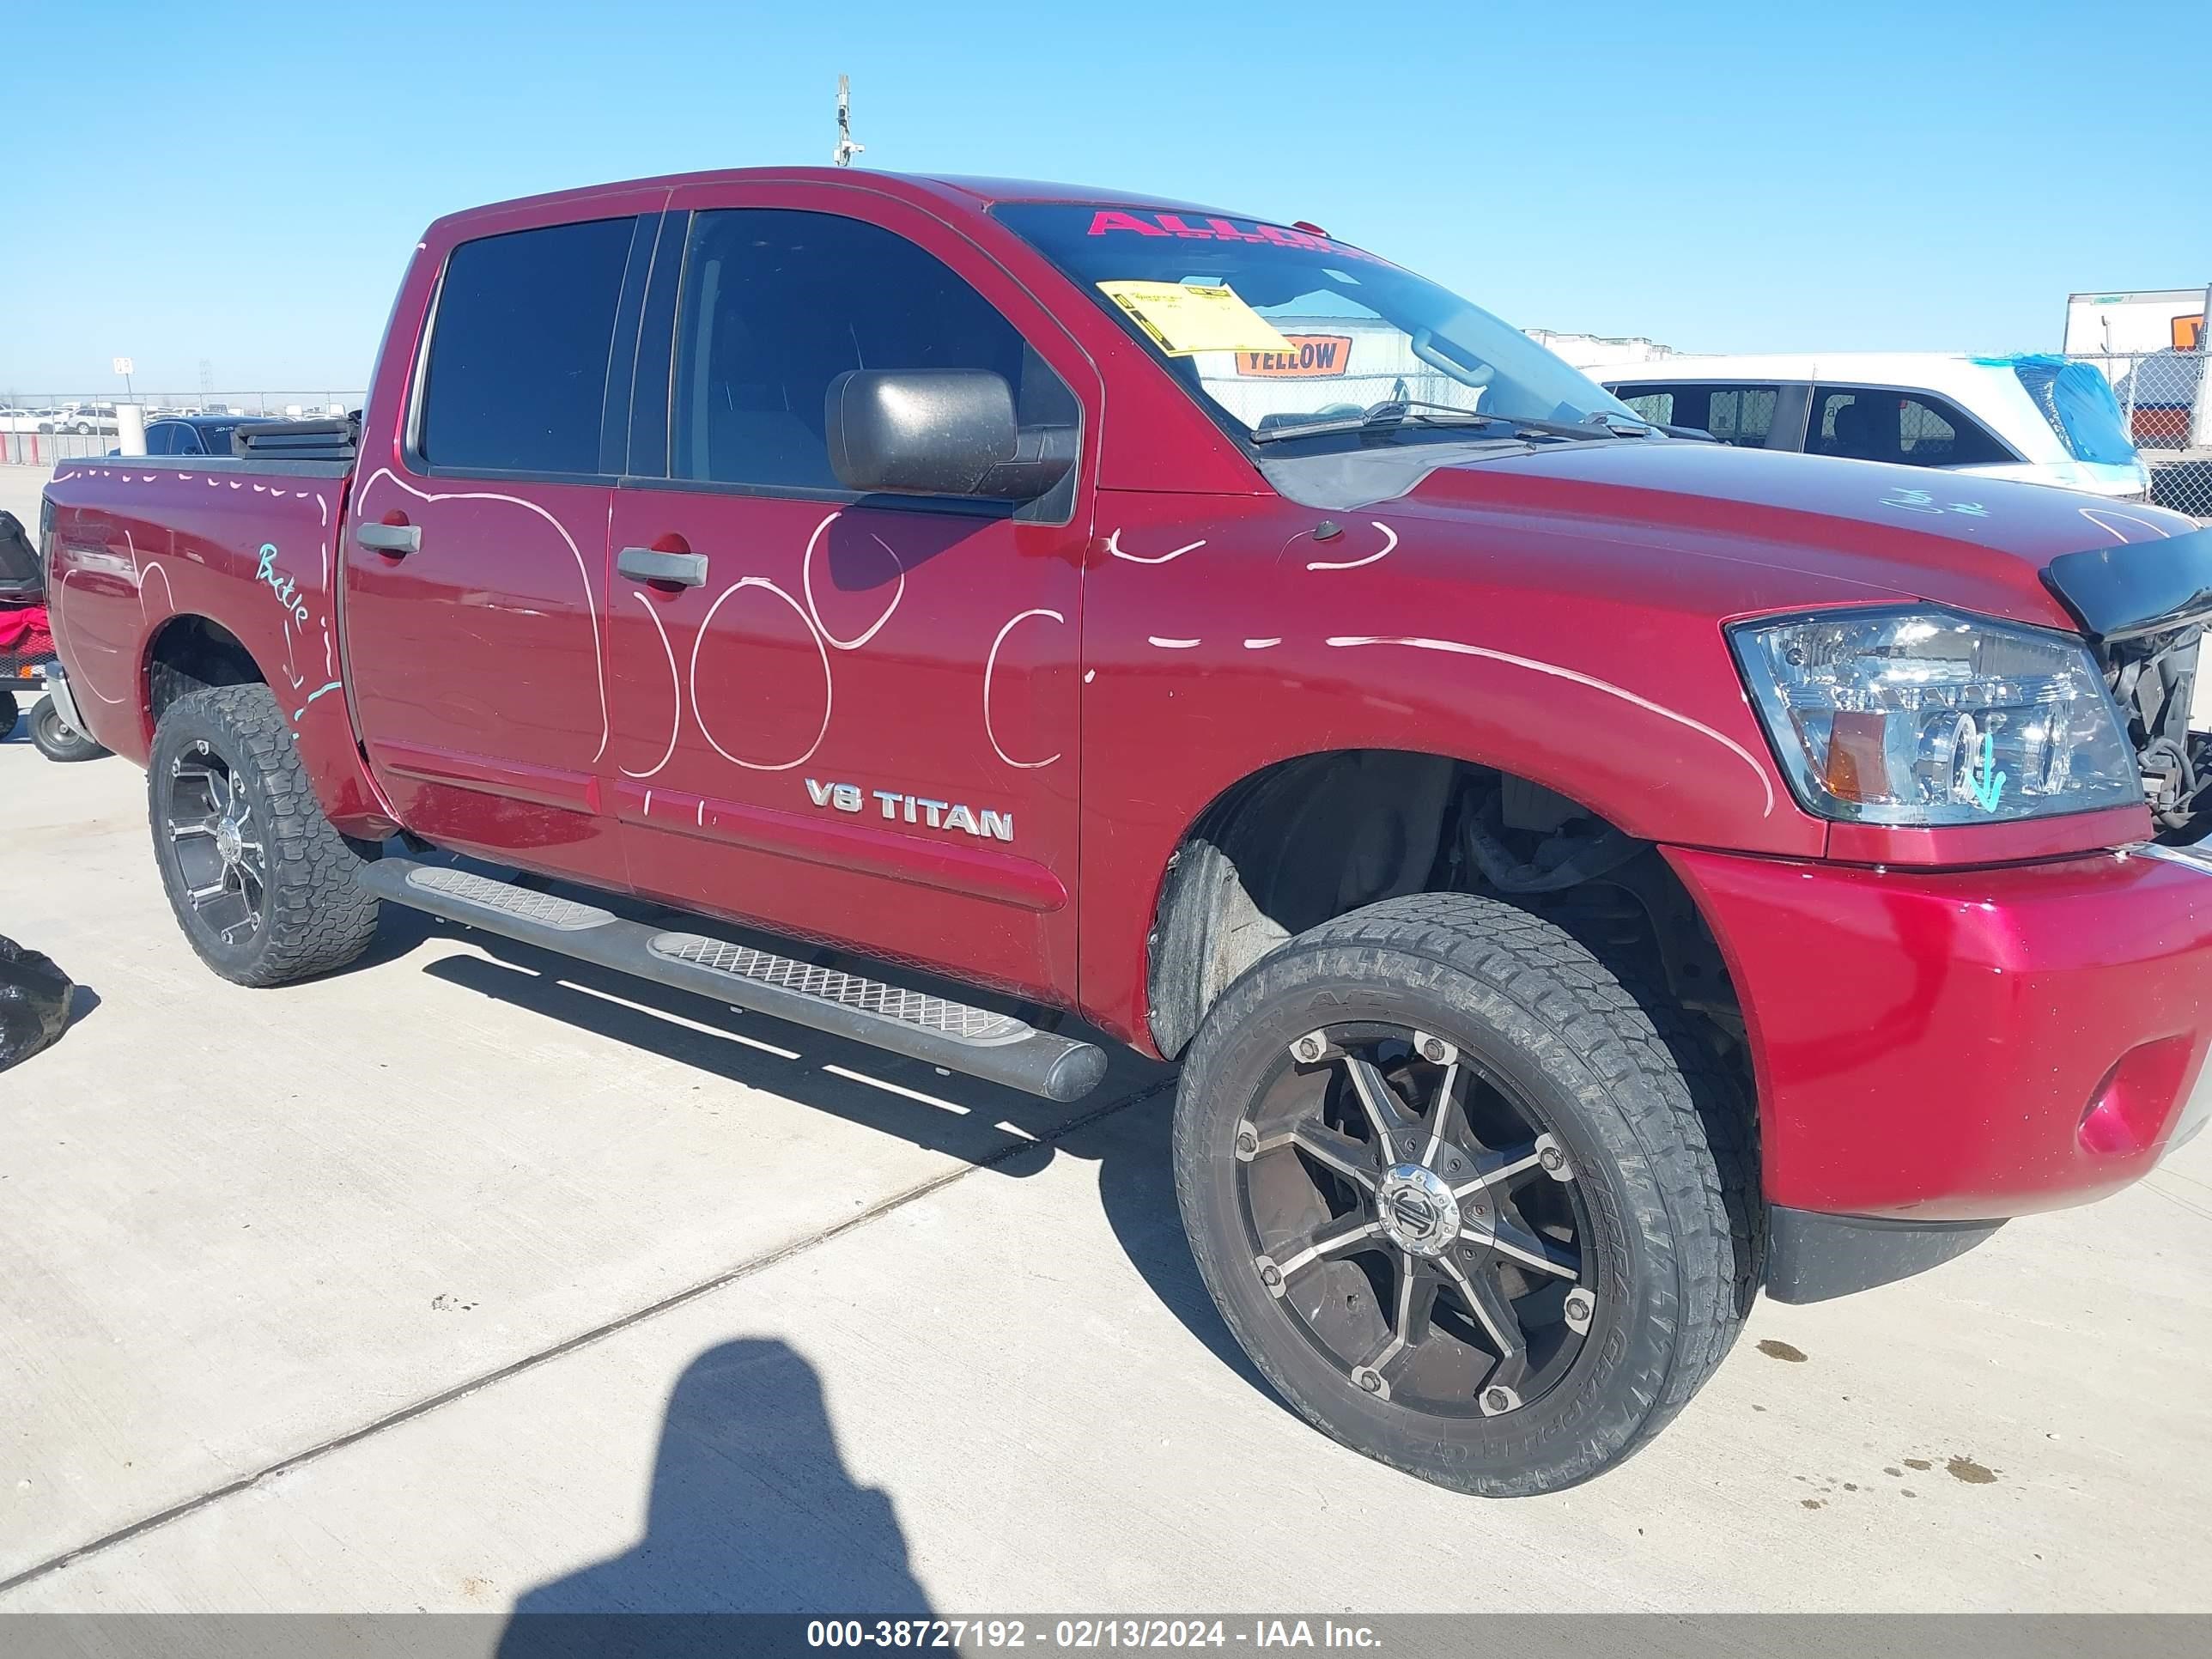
(145, 544)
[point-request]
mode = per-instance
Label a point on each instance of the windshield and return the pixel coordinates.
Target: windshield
(2079, 403)
(1279, 329)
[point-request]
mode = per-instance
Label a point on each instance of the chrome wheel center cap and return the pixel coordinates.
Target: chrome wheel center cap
(1417, 1210)
(230, 842)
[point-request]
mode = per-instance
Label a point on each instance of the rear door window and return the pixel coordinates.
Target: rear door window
(1739, 415)
(1908, 428)
(520, 350)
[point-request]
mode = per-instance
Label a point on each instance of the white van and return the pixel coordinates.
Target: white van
(2043, 419)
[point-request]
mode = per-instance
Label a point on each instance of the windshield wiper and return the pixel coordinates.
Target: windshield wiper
(1398, 411)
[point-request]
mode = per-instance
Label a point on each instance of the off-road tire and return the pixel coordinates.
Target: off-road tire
(1659, 1137)
(315, 919)
(56, 739)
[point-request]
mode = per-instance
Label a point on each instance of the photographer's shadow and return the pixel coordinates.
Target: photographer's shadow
(751, 1510)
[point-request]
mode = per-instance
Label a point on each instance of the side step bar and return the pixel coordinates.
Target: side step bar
(976, 1041)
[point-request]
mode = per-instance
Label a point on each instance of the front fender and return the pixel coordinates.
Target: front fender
(1214, 650)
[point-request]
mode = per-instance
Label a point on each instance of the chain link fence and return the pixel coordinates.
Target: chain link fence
(2160, 394)
(38, 428)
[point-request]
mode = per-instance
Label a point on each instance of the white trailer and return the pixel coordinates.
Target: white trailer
(2114, 324)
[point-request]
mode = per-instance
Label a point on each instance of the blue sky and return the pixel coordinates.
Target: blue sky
(1718, 176)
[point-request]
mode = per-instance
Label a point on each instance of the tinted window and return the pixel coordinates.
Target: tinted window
(1913, 428)
(1739, 415)
(777, 305)
(518, 353)
(162, 438)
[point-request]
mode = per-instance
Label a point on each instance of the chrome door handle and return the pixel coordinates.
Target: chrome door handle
(397, 539)
(644, 564)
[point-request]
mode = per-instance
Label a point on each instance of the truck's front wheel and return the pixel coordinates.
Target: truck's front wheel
(262, 884)
(1463, 1203)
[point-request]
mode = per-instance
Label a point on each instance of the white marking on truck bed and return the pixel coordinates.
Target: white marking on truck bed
(1458, 648)
(1170, 645)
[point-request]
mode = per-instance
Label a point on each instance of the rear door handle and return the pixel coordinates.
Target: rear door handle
(644, 564)
(397, 539)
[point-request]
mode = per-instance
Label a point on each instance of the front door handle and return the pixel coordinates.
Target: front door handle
(397, 539)
(644, 564)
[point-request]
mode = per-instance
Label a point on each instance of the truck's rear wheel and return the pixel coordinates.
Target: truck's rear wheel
(1459, 1199)
(57, 740)
(9, 712)
(261, 884)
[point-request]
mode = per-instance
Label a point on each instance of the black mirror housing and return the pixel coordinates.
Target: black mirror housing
(934, 432)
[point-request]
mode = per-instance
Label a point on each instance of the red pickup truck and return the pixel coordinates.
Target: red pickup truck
(1588, 874)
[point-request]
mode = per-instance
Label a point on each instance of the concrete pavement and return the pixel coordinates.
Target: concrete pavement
(467, 1279)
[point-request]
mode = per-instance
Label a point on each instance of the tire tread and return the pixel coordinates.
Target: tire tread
(1694, 1129)
(320, 919)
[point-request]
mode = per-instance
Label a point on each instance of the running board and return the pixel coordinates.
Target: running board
(976, 1041)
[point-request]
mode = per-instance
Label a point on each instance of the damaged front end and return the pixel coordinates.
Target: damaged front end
(2145, 606)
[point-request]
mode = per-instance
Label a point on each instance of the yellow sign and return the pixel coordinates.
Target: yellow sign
(1184, 318)
(1311, 357)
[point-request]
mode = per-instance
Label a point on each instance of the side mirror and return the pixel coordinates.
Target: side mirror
(939, 432)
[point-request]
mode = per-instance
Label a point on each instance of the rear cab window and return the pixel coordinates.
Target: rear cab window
(1903, 427)
(516, 379)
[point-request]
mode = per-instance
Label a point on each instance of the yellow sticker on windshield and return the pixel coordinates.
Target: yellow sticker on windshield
(1184, 318)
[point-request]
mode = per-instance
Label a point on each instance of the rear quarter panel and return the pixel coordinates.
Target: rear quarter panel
(141, 543)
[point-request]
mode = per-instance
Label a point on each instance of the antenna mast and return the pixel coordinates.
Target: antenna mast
(847, 150)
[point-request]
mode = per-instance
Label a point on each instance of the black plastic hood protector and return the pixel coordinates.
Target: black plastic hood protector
(2136, 587)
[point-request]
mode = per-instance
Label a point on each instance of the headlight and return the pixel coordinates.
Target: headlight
(1928, 717)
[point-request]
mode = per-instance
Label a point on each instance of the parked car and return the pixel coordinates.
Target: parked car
(1586, 874)
(19, 419)
(80, 419)
(192, 434)
(2041, 419)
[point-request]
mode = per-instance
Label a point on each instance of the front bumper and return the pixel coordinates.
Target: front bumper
(1958, 1045)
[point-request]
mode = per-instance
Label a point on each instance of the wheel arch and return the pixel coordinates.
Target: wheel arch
(1304, 840)
(188, 652)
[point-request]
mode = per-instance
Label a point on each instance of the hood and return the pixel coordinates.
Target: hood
(1757, 531)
